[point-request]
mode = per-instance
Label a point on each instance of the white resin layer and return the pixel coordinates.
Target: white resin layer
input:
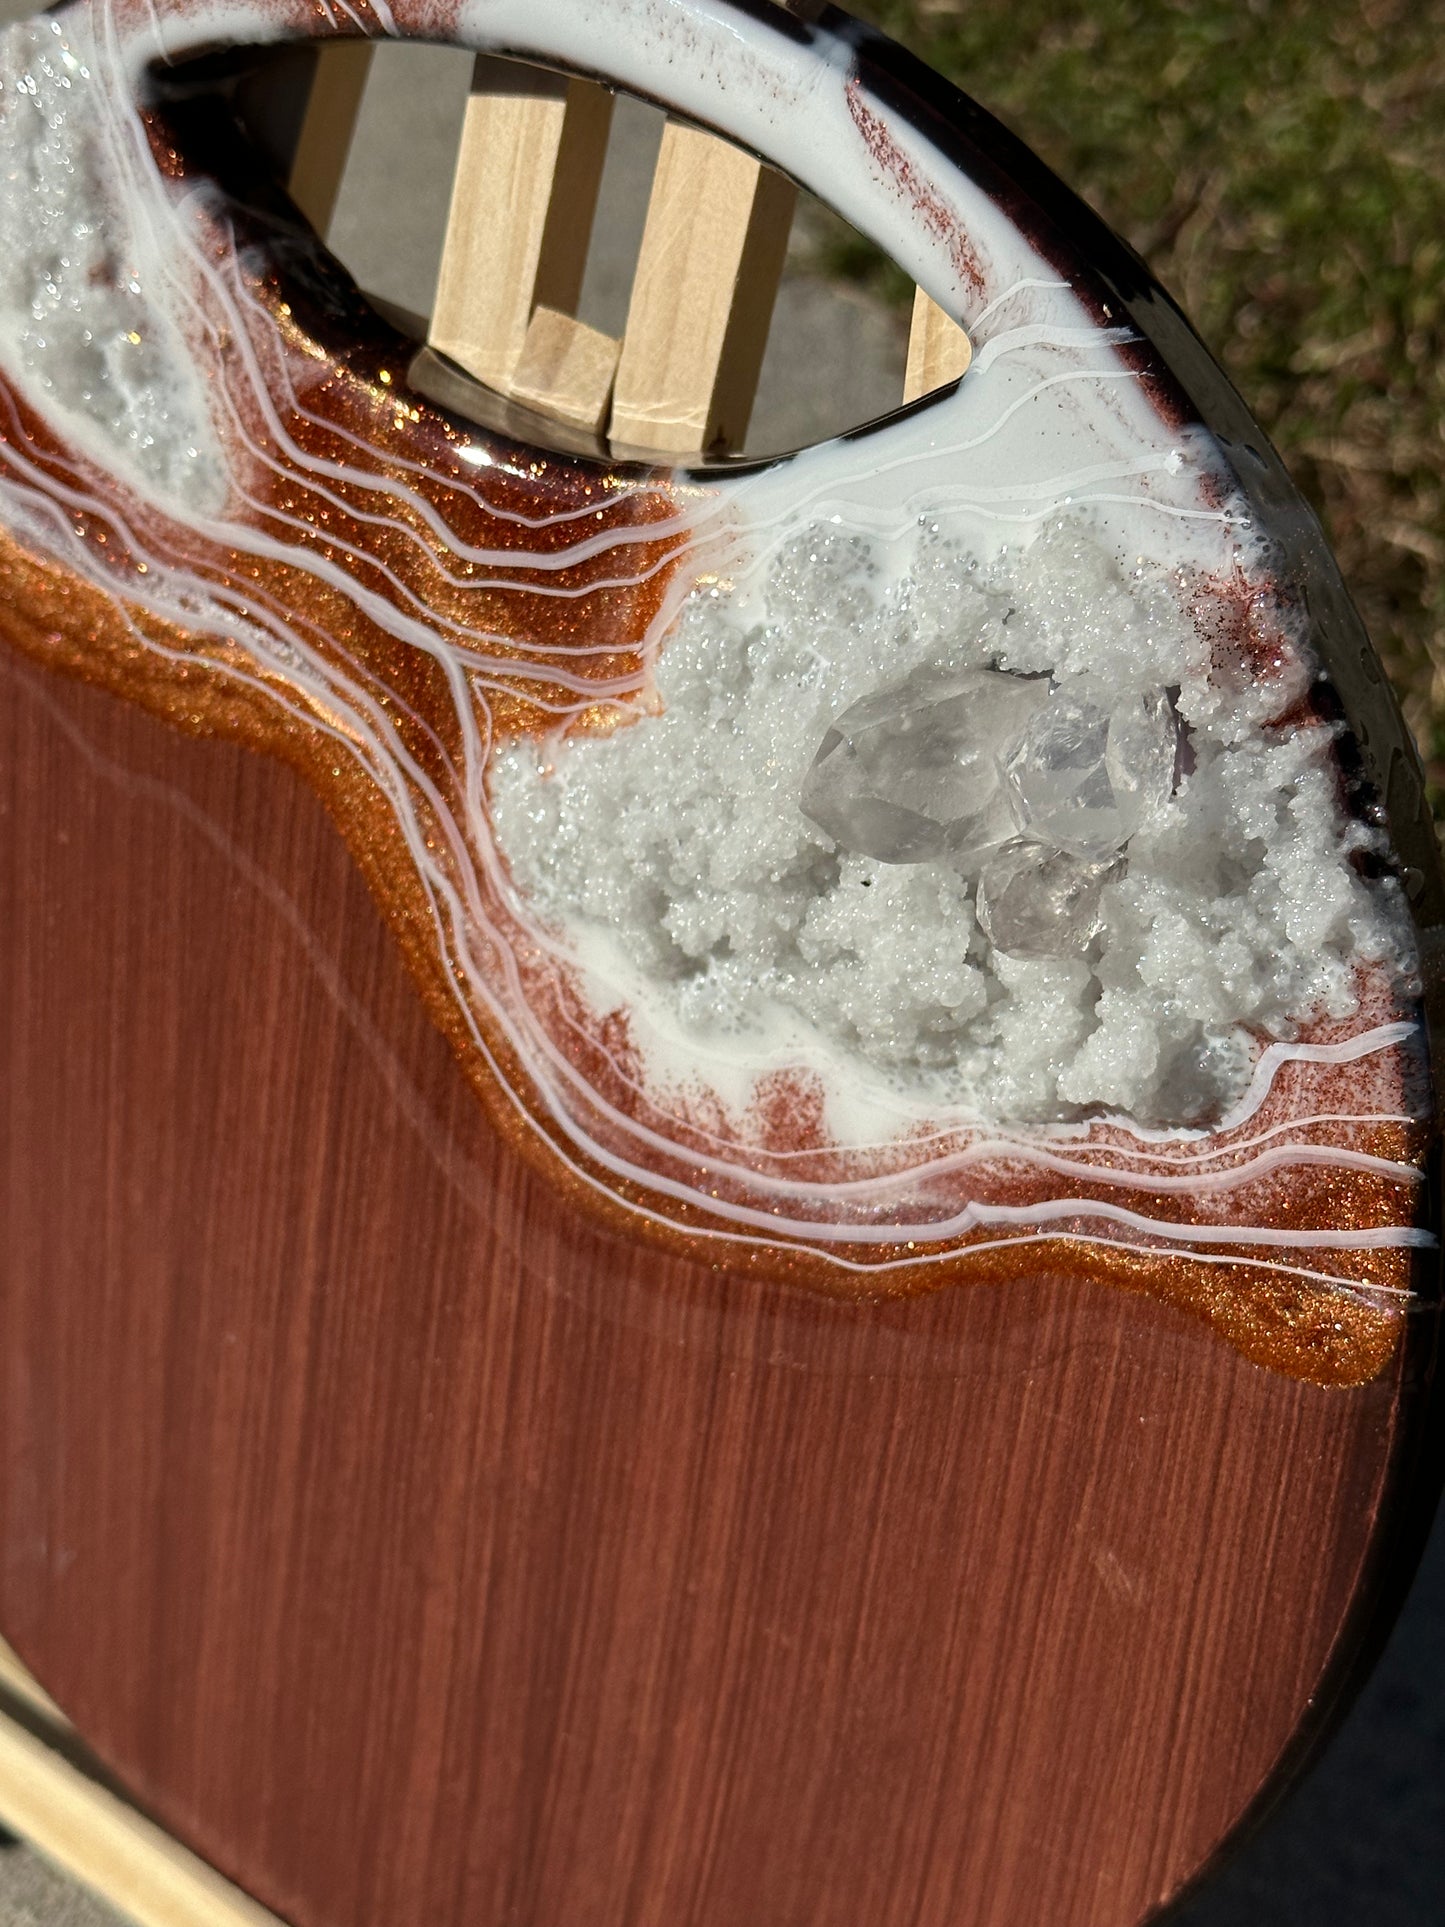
(96, 299)
(674, 855)
(1044, 517)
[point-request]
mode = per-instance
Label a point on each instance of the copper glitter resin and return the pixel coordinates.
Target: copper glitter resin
(449, 1474)
(1318, 1333)
(360, 514)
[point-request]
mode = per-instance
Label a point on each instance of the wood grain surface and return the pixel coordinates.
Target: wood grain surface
(711, 259)
(938, 349)
(523, 198)
(418, 1553)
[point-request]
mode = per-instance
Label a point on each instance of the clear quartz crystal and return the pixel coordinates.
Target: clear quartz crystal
(1085, 778)
(1034, 901)
(1032, 790)
(913, 773)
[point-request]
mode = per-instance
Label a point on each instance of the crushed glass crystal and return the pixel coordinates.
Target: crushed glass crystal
(1085, 779)
(1034, 901)
(912, 773)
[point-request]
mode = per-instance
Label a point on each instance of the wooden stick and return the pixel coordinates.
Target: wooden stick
(91, 1834)
(707, 277)
(16, 1681)
(938, 349)
(525, 191)
(566, 370)
(339, 81)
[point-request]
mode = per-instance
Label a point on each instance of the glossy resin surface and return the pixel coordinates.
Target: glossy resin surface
(619, 1183)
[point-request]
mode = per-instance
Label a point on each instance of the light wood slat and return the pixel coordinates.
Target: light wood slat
(525, 192)
(566, 369)
(91, 1834)
(707, 277)
(327, 128)
(16, 1680)
(938, 349)
(48, 1797)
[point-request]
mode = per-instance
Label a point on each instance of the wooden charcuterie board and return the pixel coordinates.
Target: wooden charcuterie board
(439, 1479)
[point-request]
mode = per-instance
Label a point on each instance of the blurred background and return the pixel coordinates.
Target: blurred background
(1281, 165)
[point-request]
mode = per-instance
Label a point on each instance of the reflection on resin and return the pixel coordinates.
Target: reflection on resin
(894, 868)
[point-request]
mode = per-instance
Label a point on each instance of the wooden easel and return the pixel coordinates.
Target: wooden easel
(53, 1795)
(682, 378)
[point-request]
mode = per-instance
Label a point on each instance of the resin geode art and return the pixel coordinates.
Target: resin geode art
(979, 839)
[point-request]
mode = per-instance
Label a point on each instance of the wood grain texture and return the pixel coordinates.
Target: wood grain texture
(702, 301)
(566, 369)
(523, 199)
(328, 126)
(939, 351)
(418, 1552)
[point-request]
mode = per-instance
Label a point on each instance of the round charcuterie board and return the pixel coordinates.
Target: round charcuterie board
(716, 1176)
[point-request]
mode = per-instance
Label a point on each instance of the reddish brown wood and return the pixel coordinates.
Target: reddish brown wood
(419, 1553)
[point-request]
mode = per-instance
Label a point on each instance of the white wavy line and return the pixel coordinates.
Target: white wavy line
(1382, 1037)
(743, 1162)
(1364, 1044)
(973, 1212)
(1025, 284)
(1035, 334)
(456, 901)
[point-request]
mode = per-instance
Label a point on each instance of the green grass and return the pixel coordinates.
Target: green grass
(1281, 165)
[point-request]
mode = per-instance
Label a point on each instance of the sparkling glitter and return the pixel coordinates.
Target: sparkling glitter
(387, 602)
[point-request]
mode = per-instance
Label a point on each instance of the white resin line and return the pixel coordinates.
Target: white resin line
(156, 26)
(484, 971)
(293, 458)
(1384, 1037)
(1028, 284)
(1040, 334)
(1349, 1051)
(958, 1255)
(1316, 1053)
(260, 317)
(933, 1230)
(1001, 1151)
